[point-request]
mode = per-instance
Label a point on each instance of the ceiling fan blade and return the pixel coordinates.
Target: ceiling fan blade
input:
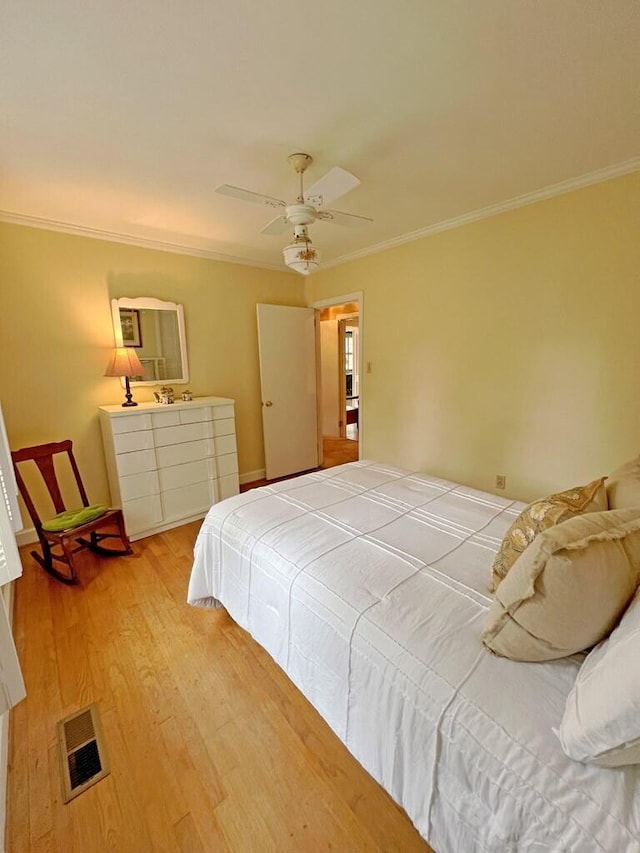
(277, 226)
(334, 184)
(337, 217)
(247, 195)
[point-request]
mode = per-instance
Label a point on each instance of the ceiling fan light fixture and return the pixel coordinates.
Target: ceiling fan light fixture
(300, 255)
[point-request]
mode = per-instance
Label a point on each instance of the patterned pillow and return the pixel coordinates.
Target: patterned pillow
(542, 514)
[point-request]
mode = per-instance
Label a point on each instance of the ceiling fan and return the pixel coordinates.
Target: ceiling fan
(307, 208)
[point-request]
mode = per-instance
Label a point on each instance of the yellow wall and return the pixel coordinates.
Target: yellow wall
(56, 335)
(506, 346)
(510, 345)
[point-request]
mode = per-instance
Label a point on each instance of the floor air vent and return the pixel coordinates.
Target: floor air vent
(81, 751)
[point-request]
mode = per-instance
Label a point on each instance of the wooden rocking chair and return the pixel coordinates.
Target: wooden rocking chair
(67, 530)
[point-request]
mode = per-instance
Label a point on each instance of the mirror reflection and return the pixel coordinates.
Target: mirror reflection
(156, 330)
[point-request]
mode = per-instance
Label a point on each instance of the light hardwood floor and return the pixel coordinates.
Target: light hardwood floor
(211, 747)
(337, 451)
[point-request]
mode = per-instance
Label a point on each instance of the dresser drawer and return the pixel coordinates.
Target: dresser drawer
(174, 417)
(188, 500)
(139, 485)
(226, 426)
(184, 432)
(141, 514)
(227, 464)
(166, 418)
(127, 442)
(132, 423)
(185, 475)
(192, 416)
(190, 451)
(223, 412)
(228, 486)
(134, 463)
(225, 444)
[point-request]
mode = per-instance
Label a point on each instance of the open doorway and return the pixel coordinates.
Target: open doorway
(340, 414)
(349, 381)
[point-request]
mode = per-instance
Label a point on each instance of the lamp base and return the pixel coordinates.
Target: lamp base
(129, 401)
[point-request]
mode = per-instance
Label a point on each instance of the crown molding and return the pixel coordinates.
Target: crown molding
(597, 177)
(128, 239)
(615, 171)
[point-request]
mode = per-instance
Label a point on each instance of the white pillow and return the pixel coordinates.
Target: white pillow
(601, 722)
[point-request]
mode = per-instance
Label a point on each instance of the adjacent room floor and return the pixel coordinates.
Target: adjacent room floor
(338, 451)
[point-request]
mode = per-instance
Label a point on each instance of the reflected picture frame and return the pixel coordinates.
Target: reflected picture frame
(130, 324)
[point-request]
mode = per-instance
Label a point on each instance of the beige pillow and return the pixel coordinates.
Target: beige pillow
(568, 589)
(542, 514)
(623, 486)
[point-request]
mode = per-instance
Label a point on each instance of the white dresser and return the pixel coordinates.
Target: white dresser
(168, 464)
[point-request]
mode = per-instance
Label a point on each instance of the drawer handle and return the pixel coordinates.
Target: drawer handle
(268, 403)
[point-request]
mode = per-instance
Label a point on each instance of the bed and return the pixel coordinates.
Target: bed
(369, 586)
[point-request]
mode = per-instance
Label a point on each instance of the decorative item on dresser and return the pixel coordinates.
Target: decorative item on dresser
(168, 464)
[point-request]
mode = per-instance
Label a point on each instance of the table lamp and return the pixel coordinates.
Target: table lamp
(125, 362)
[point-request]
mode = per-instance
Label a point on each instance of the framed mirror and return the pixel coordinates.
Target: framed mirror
(156, 330)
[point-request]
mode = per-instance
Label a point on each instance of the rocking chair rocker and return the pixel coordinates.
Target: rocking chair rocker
(67, 530)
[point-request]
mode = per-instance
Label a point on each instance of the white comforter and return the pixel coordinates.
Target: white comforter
(369, 586)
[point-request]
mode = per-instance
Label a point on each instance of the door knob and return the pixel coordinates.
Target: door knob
(268, 403)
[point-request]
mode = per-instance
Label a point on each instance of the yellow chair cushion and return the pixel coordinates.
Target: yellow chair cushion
(71, 518)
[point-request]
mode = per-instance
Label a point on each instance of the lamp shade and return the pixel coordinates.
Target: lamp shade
(124, 362)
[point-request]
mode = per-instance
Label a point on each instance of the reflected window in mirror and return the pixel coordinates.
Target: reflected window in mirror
(156, 330)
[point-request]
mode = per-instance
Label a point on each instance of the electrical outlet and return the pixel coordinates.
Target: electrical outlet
(501, 481)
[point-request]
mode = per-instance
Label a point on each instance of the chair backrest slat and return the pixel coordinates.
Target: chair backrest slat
(43, 456)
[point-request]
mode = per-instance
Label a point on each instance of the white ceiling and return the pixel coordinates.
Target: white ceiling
(122, 118)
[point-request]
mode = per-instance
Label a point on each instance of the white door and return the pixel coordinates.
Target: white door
(287, 345)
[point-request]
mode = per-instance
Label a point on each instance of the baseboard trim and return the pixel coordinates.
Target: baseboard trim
(26, 536)
(252, 476)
